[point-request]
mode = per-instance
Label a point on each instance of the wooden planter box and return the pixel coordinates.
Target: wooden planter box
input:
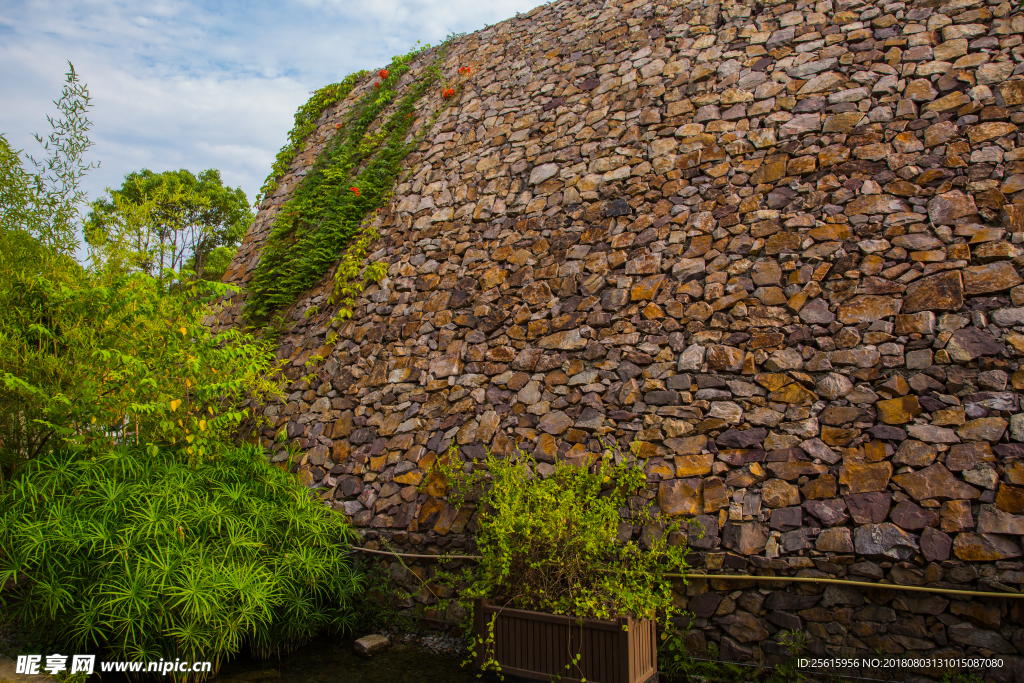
(538, 646)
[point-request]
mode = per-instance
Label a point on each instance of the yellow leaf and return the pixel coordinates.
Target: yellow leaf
(92, 421)
(175, 403)
(202, 425)
(183, 331)
(190, 438)
(188, 383)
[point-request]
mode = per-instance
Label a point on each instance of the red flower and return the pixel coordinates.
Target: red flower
(464, 70)
(447, 92)
(376, 84)
(337, 126)
(383, 73)
(355, 189)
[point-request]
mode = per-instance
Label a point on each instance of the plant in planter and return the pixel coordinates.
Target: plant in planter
(559, 567)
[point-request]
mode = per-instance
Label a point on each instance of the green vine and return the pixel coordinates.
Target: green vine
(351, 178)
(550, 544)
(305, 123)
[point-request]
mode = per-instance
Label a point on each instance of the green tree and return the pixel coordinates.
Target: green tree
(104, 355)
(170, 220)
(45, 203)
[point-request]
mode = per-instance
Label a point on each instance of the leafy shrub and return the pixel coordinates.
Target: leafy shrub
(149, 558)
(100, 358)
(551, 543)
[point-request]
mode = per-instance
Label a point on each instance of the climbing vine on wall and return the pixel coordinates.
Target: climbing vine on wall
(305, 123)
(353, 176)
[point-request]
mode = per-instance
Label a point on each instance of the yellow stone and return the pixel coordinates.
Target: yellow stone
(793, 394)
(772, 380)
(900, 410)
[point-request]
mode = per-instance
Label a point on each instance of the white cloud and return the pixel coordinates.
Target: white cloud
(186, 84)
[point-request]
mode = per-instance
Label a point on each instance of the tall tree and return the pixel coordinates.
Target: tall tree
(45, 203)
(170, 220)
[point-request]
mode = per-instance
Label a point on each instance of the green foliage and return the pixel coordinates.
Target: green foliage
(353, 176)
(170, 220)
(148, 558)
(550, 544)
(45, 203)
(100, 358)
(678, 664)
(962, 677)
(788, 672)
(106, 356)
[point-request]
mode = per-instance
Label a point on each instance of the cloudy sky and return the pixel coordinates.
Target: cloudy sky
(196, 85)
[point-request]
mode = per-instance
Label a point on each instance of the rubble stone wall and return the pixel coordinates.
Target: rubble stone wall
(773, 243)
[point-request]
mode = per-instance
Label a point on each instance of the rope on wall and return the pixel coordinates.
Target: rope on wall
(749, 577)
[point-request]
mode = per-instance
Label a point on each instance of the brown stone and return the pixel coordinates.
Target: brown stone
(975, 547)
(942, 292)
(990, 131)
(956, 516)
(445, 366)
(777, 493)
(865, 308)
(911, 517)
(915, 453)
(884, 539)
(820, 488)
(794, 470)
(948, 208)
(747, 538)
(939, 133)
(725, 358)
(862, 478)
(1010, 498)
(794, 394)
(843, 123)
(970, 343)
(981, 614)
(935, 545)
(967, 456)
(897, 411)
(772, 169)
(869, 204)
(680, 497)
(646, 289)
(555, 422)
(992, 520)
(835, 540)
(694, 465)
(1012, 92)
(990, 278)
(983, 429)
(935, 482)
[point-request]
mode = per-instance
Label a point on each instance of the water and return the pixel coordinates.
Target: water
(334, 661)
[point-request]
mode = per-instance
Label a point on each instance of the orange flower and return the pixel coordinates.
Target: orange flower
(337, 126)
(376, 84)
(383, 73)
(355, 189)
(447, 92)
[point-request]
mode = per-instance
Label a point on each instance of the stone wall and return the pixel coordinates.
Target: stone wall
(773, 243)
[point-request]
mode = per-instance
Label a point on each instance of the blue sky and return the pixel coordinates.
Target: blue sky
(196, 85)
